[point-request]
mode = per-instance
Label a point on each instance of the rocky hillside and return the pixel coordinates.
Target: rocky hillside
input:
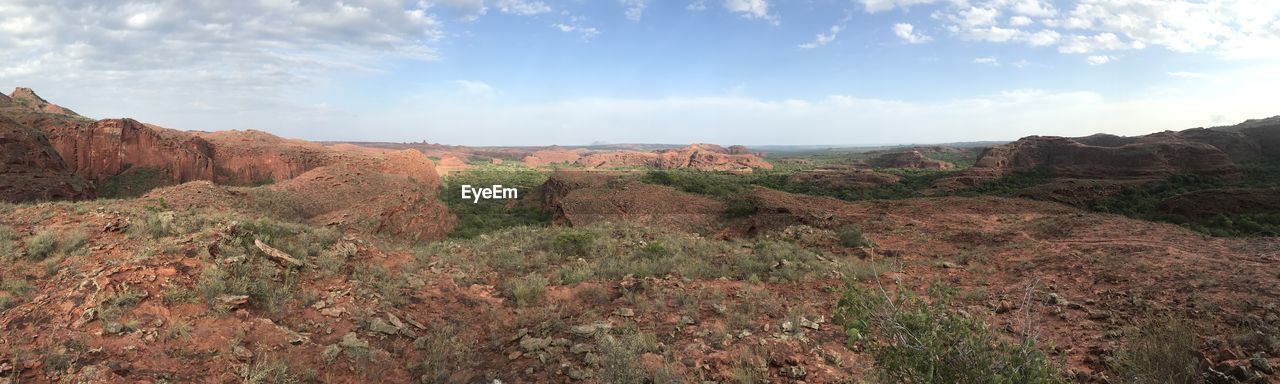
(58, 155)
(907, 159)
(1195, 151)
(30, 169)
(706, 157)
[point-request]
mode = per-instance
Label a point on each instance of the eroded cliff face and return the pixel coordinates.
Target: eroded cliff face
(704, 157)
(254, 157)
(101, 149)
(30, 170)
(1066, 157)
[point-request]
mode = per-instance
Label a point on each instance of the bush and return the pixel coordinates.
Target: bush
(7, 247)
(13, 292)
(914, 340)
(527, 290)
(1158, 352)
(442, 354)
(41, 245)
(573, 243)
(485, 216)
(852, 237)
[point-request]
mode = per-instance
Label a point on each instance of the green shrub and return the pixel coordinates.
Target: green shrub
(738, 208)
(133, 182)
(442, 354)
(573, 243)
(1158, 352)
(41, 245)
(8, 250)
(528, 289)
(13, 292)
(914, 340)
(620, 357)
(852, 237)
(486, 216)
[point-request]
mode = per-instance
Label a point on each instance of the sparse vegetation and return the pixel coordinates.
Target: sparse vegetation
(528, 289)
(275, 372)
(133, 183)
(1158, 352)
(852, 237)
(443, 352)
(918, 340)
(13, 291)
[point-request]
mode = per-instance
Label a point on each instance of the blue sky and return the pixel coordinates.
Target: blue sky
(521, 72)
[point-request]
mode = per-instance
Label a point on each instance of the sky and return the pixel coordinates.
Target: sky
(755, 72)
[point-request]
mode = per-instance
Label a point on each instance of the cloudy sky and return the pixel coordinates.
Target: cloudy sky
(525, 72)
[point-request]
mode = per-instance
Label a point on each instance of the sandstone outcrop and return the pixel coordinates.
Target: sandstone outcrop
(29, 99)
(579, 198)
(1264, 132)
(705, 157)
(553, 155)
(30, 169)
(104, 148)
(1067, 157)
(907, 159)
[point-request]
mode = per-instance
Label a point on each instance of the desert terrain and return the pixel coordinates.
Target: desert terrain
(134, 253)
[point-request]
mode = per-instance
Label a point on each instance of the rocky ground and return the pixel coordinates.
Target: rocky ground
(259, 259)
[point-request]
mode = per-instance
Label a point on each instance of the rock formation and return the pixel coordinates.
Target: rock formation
(585, 197)
(105, 148)
(30, 169)
(553, 155)
(29, 99)
(705, 157)
(907, 159)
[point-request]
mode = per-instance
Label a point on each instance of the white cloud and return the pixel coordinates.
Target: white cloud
(586, 32)
(823, 38)
(634, 8)
(697, 5)
(1034, 8)
(521, 7)
(995, 34)
(1230, 29)
(987, 61)
(236, 49)
(1044, 38)
(873, 6)
(751, 9)
(1099, 42)
(976, 17)
(1099, 60)
(907, 33)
